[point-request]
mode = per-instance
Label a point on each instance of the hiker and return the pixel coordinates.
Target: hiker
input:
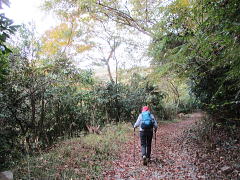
(146, 123)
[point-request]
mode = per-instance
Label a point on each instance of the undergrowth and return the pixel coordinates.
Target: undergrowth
(77, 158)
(216, 144)
(215, 134)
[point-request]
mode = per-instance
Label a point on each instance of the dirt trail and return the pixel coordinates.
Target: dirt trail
(171, 159)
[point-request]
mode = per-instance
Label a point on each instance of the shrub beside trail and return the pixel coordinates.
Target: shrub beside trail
(78, 157)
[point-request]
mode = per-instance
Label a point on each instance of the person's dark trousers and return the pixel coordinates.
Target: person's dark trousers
(146, 141)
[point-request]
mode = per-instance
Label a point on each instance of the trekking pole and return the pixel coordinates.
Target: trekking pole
(155, 140)
(134, 145)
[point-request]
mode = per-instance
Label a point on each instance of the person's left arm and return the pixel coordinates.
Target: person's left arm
(154, 122)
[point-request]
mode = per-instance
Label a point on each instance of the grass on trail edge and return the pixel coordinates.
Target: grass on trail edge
(78, 158)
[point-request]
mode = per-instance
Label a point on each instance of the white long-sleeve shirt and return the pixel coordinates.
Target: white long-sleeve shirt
(139, 120)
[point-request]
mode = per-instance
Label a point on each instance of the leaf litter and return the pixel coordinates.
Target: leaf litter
(176, 155)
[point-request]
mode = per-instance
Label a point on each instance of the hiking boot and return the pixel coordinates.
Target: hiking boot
(144, 160)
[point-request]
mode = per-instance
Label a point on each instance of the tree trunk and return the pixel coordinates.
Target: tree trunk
(175, 91)
(109, 72)
(42, 117)
(33, 109)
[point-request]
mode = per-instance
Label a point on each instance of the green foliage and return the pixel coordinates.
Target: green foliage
(54, 100)
(76, 157)
(201, 42)
(39, 100)
(119, 102)
(43, 100)
(38, 107)
(7, 29)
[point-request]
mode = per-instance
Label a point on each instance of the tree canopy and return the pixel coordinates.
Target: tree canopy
(200, 40)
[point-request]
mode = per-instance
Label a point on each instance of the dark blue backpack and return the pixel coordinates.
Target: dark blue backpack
(147, 121)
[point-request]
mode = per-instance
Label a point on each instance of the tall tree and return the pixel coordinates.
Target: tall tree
(141, 15)
(200, 40)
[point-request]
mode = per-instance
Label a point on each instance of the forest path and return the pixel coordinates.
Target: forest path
(171, 157)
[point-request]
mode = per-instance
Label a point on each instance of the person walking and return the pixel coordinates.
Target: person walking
(146, 123)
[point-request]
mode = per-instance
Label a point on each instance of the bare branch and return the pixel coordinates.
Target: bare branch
(124, 18)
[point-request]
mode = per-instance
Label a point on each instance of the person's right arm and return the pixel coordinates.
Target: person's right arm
(137, 123)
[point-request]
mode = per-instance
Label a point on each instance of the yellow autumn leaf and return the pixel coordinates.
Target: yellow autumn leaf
(82, 48)
(184, 3)
(57, 38)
